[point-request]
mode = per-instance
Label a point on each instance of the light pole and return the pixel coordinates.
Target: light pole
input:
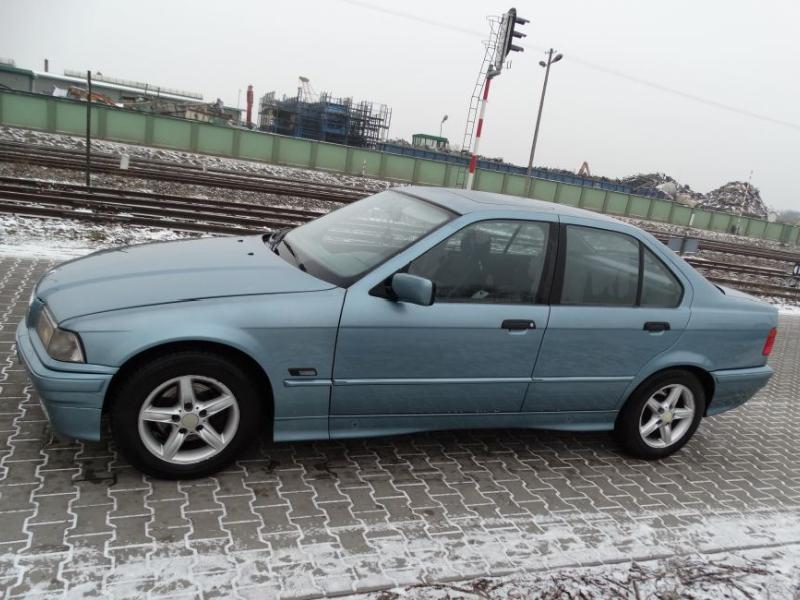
(550, 60)
(444, 118)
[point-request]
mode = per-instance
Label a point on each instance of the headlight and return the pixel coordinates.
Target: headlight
(60, 344)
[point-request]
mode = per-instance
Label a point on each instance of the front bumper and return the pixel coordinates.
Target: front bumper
(734, 387)
(72, 400)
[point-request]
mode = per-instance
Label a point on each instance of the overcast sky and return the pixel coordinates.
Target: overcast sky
(741, 54)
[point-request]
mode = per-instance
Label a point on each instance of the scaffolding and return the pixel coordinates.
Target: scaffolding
(325, 118)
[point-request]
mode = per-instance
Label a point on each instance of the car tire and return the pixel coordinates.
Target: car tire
(185, 414)
(648, 427)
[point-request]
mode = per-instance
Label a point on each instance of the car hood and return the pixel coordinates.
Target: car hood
(166, 272)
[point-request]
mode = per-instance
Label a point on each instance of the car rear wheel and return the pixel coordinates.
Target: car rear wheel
(661, 415)
(185, 414)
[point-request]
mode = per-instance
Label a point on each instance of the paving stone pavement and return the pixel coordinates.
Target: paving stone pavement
(309, 520)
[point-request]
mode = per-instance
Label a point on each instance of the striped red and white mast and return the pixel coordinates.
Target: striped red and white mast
(505, 39)
(473, 161)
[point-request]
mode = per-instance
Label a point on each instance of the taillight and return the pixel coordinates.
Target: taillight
(770, 341)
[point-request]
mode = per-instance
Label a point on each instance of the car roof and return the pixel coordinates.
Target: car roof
(468, 201)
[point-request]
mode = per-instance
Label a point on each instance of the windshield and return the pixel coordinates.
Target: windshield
(345, 244)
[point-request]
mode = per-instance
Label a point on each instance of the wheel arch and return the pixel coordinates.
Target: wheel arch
(705, 378)
(238, 356)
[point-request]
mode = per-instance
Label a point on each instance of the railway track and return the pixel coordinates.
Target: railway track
(160, 170)
(108, 205)
(207, 215)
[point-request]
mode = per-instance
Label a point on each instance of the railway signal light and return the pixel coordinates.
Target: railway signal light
(510, 21)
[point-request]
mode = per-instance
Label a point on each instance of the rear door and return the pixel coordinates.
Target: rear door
(616, 305)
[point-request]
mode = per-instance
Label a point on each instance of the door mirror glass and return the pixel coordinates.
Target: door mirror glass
(413, 289)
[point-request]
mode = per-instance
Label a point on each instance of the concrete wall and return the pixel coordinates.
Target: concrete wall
(61, 115)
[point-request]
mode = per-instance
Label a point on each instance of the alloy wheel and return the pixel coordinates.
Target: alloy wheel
(667, 416)
(188, 419)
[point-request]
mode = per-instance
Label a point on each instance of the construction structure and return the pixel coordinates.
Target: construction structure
(324, 117)
(112, 91)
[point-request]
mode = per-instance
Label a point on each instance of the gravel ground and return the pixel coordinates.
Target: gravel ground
(25, 233)
(244, 167)
(49, 174)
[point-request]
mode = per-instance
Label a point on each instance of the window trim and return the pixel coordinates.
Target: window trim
(558, 284)
(384, 288)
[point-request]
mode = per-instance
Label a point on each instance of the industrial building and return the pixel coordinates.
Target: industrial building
(119, 92)
(324, 117)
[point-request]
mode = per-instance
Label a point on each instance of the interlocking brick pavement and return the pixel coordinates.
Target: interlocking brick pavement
(306, 520)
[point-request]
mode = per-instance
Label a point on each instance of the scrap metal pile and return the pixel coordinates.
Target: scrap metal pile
(661, 185)
(737, 197)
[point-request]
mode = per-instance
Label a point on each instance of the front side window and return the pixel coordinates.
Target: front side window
(490, 261)
(606, 268)
(345, 244)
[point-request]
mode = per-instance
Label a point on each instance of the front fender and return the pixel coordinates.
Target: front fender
(279, 331)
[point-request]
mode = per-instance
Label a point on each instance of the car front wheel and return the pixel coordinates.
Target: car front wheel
(661, 415)
(185, 414)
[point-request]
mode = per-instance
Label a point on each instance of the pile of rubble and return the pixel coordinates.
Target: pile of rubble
(738, 197)
(661, 185)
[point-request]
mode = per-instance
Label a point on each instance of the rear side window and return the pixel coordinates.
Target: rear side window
(606, 268)
(659, 285)
(601, 268)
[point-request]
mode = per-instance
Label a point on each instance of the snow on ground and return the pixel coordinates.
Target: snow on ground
(96, 237)
(256, 167)
(749, 574)
(784, 308)
(755, 555)
(65, 239)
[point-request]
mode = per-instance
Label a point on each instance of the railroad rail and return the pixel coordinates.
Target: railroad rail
(161, 170)
(47, 199)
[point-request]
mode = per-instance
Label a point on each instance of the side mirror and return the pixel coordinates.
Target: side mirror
(413, 289)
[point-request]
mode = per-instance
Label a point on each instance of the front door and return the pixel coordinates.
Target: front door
(619, 307)
(472, 351)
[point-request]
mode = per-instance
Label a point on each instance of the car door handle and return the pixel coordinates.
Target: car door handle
(654, 326)
(518, 324)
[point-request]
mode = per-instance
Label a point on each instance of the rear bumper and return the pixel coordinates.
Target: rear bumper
(73, 401)
(734, 387)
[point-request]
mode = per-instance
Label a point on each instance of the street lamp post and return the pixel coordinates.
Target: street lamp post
(550, 60)
(441, 125)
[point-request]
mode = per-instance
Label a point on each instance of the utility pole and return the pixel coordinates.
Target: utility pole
(89, 132)
(550, 60)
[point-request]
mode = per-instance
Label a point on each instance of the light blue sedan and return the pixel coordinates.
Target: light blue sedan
(414, 309)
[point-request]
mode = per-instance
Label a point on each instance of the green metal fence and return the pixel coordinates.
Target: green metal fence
(61, 115)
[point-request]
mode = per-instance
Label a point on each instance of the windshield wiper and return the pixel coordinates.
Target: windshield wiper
(276, 237)
(298, 262)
